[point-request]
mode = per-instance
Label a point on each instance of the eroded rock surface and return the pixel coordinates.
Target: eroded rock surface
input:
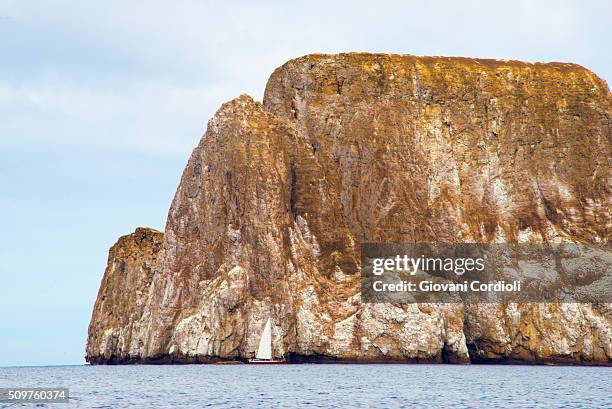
(353, 148)
(116, 323)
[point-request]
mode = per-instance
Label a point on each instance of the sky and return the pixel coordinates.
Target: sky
(101, 103)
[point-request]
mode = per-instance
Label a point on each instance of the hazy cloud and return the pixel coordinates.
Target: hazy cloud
(148, 75)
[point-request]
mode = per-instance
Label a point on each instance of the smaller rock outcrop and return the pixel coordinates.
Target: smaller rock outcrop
(123, 294)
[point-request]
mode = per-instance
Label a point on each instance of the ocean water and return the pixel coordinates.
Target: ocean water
(320, 386)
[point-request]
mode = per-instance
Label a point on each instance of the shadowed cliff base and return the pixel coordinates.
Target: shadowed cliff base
(353, 148)
(322, 359)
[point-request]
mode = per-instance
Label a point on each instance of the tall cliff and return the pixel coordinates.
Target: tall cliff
(352, 148)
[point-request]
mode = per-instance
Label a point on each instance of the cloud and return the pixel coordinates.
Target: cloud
(162, 119)
(147, 76)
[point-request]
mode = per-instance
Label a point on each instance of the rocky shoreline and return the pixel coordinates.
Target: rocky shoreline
(310, 359)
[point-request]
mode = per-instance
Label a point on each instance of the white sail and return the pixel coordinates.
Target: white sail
(265, 343)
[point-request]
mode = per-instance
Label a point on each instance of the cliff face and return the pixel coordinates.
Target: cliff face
(115, 328)
(352, 148)
(451, 149)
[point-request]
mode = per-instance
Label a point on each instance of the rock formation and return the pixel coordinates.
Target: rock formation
(124, 291)
(353, 148)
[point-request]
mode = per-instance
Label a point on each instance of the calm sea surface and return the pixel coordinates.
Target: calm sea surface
(324, 386)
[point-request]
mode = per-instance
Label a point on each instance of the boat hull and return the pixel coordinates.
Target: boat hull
(266, 362)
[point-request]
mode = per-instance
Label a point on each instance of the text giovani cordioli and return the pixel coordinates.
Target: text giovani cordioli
(430, 286)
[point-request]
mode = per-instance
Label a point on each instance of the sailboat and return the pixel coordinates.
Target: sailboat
(264, 352)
